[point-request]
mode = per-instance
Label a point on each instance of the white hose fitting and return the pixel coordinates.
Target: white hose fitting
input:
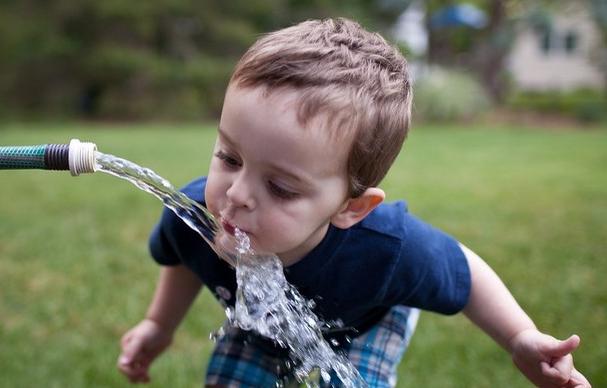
(81, 157)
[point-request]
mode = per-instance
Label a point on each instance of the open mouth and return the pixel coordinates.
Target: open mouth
(229, 228)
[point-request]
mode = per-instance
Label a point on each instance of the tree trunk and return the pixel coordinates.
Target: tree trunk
(491, 52)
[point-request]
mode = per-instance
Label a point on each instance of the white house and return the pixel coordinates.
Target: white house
(566, 58)
(563, 58)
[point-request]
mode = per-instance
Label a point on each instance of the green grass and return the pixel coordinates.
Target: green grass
(75, 274)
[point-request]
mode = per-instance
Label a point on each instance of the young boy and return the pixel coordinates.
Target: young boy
(314, 115)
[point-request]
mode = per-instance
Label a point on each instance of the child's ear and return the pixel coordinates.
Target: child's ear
(355, 209)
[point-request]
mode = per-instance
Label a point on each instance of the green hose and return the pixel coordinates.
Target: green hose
(76, 157)
(23, 157)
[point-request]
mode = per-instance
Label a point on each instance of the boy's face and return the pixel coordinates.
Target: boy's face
(275, 180)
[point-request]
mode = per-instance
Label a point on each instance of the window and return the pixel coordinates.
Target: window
(552, 42)
(571, 40)
(546, 41)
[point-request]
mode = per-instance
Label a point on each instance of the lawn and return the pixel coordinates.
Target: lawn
(75, 273)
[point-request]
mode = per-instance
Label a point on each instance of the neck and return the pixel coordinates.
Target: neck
(291, 257)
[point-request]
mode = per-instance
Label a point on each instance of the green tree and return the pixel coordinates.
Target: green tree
(482, 50)
(163, 58)
(485, 50)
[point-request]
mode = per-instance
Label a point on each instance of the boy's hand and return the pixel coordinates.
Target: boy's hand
(546, 361)
(140, 346)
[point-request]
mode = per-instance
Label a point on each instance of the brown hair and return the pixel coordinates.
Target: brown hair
(353, 76)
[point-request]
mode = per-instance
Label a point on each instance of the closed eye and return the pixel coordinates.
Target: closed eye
(280, 192)
(228, 160)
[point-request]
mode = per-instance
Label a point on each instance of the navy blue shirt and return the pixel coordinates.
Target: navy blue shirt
(354, 275)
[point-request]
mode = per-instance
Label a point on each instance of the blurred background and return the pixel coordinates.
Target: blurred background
(170, 59)
(507, 153)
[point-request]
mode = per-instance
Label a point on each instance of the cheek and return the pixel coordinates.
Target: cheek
(286, 228)
(212, 194)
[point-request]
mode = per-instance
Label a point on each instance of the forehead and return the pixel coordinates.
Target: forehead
(267, 126)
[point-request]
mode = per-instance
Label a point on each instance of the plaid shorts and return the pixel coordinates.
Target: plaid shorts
(237, 362)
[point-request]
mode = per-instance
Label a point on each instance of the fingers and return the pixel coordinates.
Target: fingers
(135, 371)
(547, 361)
(559, 372)
(133, 362)
(557, 349)
(578, 380)
(562, 373)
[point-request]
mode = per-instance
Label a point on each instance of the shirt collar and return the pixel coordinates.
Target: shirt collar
(306, 270)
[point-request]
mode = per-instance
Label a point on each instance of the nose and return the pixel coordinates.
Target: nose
(240, 193)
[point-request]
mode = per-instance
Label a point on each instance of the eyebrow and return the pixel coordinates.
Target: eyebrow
(298, 179)
(225, 136)
(279, 170)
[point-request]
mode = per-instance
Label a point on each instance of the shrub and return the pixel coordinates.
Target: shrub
(583, 104)
(448, 95)
(169, 89)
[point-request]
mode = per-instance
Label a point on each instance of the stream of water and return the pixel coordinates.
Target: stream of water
(265, 302)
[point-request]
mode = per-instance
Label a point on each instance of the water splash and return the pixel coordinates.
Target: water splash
(265, 302)
(269, 305)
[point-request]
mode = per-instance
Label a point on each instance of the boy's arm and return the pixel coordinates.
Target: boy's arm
(176, 289)
(543, 359)
(491, 306)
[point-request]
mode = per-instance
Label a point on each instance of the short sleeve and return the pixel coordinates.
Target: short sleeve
(172, 242)
(432, 271)
(161, 249)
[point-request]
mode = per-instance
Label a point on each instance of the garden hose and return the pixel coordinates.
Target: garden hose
(77, 157)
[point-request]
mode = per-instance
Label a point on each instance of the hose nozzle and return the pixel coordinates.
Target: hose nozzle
(77, 157)
(81, 157)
